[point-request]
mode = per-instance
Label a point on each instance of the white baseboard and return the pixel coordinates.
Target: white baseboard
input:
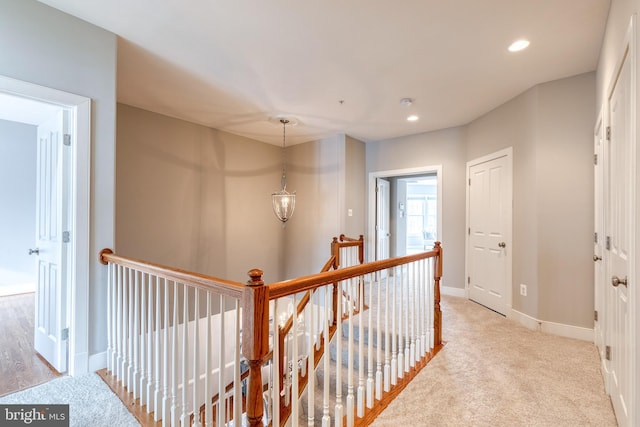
(451, 291)
(568, 331)
(97, 361)
(80, 364)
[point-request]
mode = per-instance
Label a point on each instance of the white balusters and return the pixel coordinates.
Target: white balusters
(129, 383)
(294, 362)
(135, 335)
(310, 324)
(150, 345)
(370, 382)
(237, 386)
(221, 416)
(339, 412)
(166, 359)
(174, 362)
(142, 375)
(387, 335)
(361, 354)
(326, 418)
(157, 400)
(110, 317)
(184, 379)
(350, 350)
(379, 341)
(394, 335)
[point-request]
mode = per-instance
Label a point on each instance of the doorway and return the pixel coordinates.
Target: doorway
(22, 98)
(412, 208)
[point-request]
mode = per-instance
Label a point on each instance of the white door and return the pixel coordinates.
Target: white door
(599, 271)
(382, 218)
(52, 221)
(489, 232)
(620, 214)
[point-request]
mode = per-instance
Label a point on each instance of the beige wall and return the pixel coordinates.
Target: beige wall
(513, 124)
(549, 128)
(564, 171)
(355, 188)
(196, 198)
(444, 147)
(316, 173)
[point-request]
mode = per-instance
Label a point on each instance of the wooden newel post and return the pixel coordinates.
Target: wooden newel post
(255, 342)
(437, 312)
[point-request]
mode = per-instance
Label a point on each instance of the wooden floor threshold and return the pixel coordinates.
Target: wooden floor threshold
(133, 405)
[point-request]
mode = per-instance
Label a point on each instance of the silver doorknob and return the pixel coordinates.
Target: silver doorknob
(34, 251)
(502, 244)
(597, 258)
(616, 281)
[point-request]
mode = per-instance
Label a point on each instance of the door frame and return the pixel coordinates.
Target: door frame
(372, 219)
(508, 153)
(78, 292)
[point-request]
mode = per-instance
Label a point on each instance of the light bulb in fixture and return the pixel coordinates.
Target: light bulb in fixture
(412, 118)
(518, 45)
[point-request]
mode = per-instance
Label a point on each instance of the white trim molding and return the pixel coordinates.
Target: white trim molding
(78, 288)
(453, 292)
(567, 331)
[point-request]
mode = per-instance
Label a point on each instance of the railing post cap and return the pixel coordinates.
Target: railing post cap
(437, 244)
(256, 277)
(105, 251)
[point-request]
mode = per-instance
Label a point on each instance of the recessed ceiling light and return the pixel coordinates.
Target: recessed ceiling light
(518, 45)
(412, 118)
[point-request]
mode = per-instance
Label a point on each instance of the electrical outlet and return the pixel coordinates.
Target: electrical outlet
(523, 289)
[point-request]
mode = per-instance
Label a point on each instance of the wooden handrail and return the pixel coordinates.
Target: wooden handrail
(305, 283)
(201, 281)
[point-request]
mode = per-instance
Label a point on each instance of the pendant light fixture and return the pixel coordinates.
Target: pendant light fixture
(284, 202)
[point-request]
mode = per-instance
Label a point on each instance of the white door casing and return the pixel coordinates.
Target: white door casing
(52, 238)
(599, 237)
(78, 297)
(382, 219)
(489, 210)
(620, 231)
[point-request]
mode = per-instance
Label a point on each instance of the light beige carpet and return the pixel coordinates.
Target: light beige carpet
(494, 372)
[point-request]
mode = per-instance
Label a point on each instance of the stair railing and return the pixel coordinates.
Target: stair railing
(387, 340)
(163, 349)
(164, 343)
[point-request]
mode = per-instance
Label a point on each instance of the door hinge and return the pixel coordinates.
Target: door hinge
(608, 133)
(469, 231)
(469, 181)
(469, 280)
(595, 315)
(607, 352)
(66, 237)
(65, 334)
(608, 243)
(67, 139)
(595, 159)
(595, 237)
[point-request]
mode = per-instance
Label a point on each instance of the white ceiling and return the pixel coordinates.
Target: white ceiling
(233, 64)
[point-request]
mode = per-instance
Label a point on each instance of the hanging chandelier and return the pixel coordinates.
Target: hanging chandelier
(283, 202)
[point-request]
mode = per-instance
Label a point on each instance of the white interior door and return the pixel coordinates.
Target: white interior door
(489, 232)
(382, 218)
(620, 227)
(52, 219)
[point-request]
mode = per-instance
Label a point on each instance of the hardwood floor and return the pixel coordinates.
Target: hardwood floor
(20, 366)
